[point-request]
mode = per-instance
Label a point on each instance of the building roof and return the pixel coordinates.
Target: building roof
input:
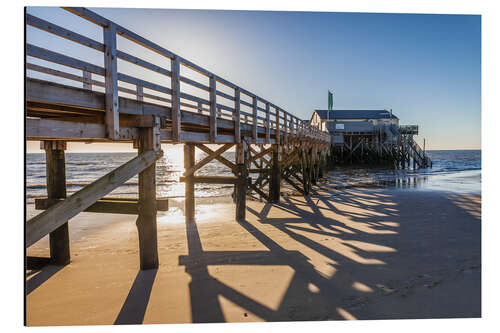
(355, 114)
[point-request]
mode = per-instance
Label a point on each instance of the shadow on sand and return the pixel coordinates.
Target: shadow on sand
(134, 308)
(378, 244)
(390, 246)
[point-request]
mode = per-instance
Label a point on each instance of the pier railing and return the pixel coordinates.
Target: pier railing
(183, 86)
(408, 129)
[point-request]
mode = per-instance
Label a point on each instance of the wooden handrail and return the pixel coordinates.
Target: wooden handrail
(275, 117)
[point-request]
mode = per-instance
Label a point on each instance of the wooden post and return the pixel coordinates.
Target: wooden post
(268, 124)
(403, 156)
(140, 93)
(241, 187)
(303, 161)
(189, 204)
(277, 126)
(321, 165)
(213, 109)
(254, 119)
(56, 189)
(176, 100)
(363, 150)
(350, 148)
(285, 127)
(111, 82)
(313, 165)
(237, 118)
(146, 221)
(274, 184)
(87, 80)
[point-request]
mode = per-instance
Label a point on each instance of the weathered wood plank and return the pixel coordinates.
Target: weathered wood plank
(148, 142)
(213, 109)
(194, 83)
(258, 190)
(176, 95)
(222, 94)
(111, 83)
(56, 189)
(219, 158)
(142, 63)
(61, 59)
(254, 119)
(213, 179)
(274, 184)
(106, 205)
(277, 129)
(261, 154)
(99, 20)
(87, 80)
(140, 93)
(240, 189)
(63, 32)
(236, 116)
(189, 201)
(39, 129)
(49, 220)
(268, 124)
(207, 159)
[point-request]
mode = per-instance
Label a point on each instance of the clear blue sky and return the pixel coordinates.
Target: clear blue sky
(427, 68)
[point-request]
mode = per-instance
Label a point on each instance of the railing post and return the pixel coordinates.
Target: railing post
(176, 100)
(140, 93)
(213, 108)
(254, 119)
(111, 82)
(237, 120)
(268, 124)
(87, 80)
(277, 125)
(285, 123)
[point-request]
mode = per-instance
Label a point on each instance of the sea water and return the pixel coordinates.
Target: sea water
(452, 170)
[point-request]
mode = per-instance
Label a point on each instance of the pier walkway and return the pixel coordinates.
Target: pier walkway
(167, 100)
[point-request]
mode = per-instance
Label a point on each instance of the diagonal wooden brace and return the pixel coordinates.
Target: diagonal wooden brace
(47, 221)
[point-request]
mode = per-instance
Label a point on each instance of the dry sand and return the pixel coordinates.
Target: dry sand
(359, 253)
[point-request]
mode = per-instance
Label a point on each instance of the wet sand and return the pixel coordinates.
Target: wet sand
(356, 253)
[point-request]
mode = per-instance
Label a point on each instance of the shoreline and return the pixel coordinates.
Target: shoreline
(355, 253)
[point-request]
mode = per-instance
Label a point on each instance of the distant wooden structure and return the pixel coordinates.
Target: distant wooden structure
(371, 137)
(271, 144)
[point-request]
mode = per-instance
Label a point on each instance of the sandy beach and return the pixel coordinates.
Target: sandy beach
(356, 253)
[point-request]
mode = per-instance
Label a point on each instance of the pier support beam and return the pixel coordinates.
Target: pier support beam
(241, 186)
(56, 189)
(189, 203)
(146, 221)
(274, 184)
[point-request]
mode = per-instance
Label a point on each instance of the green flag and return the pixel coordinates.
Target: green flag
(330, 101)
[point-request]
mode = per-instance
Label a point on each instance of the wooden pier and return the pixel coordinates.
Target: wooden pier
(193, 107)
(370, 148)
